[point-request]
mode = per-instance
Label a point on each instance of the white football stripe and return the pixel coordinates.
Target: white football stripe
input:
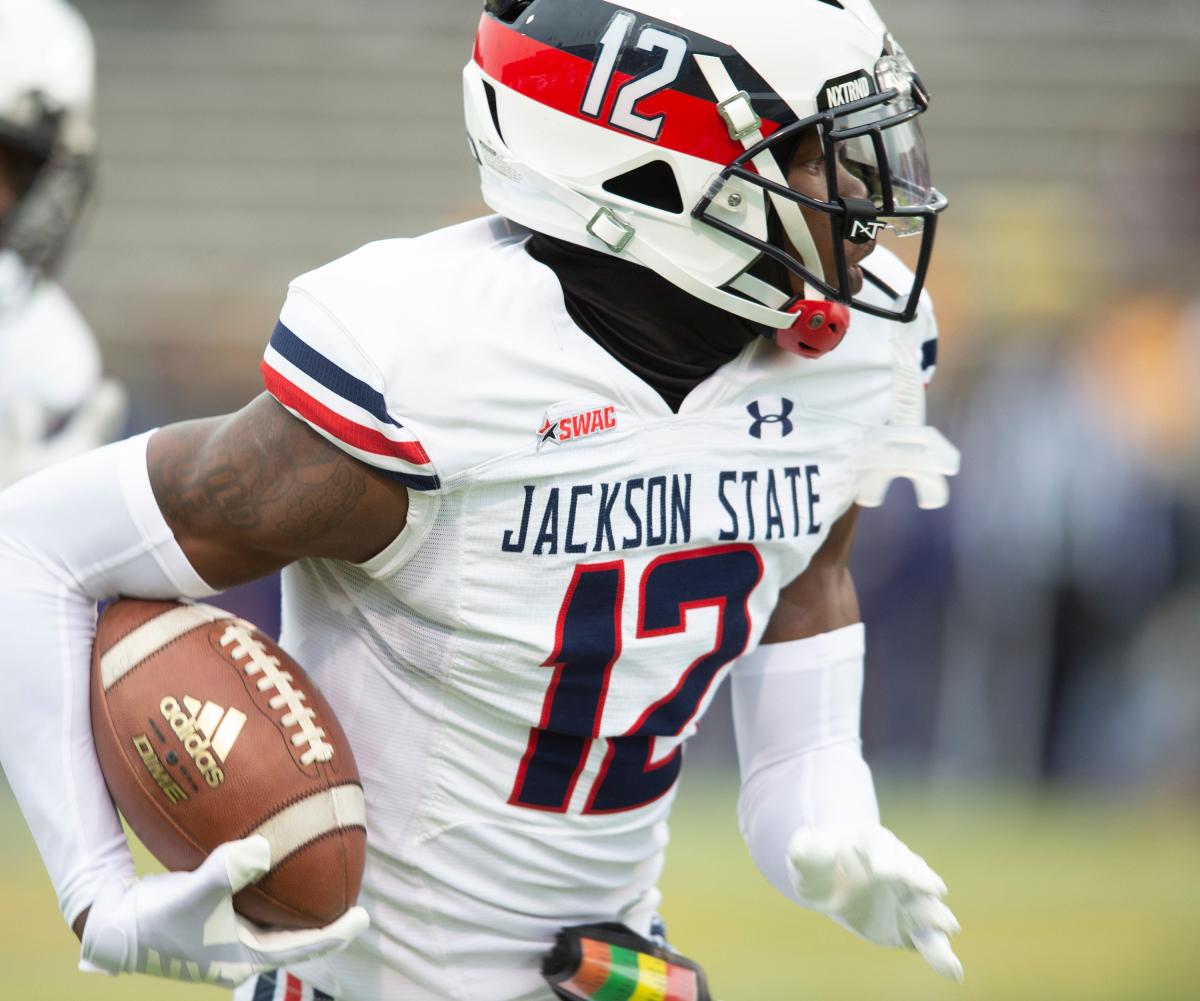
(150, 637)
(307, 820)
(209, 718)
(227, 733)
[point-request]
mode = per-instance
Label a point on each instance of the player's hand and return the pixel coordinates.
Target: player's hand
(182, 925)
(868, 880)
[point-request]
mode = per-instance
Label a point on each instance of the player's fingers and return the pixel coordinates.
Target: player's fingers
(886, 858)
(913, 874)
(245, 861)
(935, 949)
(281, 948)
(929, 912)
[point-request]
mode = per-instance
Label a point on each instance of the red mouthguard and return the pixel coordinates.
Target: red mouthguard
(818, 328)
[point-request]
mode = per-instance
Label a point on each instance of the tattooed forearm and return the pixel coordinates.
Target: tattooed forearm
(264, 484)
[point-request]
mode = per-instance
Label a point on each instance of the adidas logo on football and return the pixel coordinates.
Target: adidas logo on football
(208, 733)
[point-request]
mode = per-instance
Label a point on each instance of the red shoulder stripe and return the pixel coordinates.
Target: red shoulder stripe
(315, 412)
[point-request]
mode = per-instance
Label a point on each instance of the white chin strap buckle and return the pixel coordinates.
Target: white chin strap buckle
(740, 116)
(610, 230)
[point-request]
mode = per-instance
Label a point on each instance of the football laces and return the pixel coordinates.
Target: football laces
(239, 639)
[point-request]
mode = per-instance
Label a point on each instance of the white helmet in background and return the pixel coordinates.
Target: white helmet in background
(54, 401)
(47, 66)
(660, 132)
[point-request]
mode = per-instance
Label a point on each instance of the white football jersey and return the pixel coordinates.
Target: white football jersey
(519, 671)
(49, 368)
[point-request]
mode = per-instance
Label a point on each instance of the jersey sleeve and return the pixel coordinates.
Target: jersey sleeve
(922, 333)
(316, 369)
(926, 329)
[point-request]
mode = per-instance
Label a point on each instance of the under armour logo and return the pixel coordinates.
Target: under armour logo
(782, 418)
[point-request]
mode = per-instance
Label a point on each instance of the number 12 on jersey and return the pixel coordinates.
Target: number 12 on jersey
(588, 646)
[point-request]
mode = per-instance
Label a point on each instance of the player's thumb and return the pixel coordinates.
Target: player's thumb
(292, 946)
(813, 855)
(240, 863)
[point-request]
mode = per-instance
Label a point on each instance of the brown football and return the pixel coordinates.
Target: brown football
(207, 732)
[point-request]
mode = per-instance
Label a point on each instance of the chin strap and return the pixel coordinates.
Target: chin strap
(820, 324)
(745, 127)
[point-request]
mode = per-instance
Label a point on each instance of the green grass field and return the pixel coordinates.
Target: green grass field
(1063, 898)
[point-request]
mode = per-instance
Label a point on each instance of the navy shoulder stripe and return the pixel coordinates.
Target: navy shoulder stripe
(264, 987)
(410, 480)
(333, 377)
(929, 354)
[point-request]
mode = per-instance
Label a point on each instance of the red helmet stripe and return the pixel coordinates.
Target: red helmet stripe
(558, 79)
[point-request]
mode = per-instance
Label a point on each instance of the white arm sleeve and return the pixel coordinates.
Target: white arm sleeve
(796, 711)
(72, 535)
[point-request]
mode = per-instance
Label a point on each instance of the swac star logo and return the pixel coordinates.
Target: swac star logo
(783, 419)
(572, 426)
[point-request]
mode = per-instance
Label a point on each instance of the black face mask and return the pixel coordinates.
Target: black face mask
(671, 340)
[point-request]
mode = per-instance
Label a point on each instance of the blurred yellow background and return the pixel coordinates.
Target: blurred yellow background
(1068, 897)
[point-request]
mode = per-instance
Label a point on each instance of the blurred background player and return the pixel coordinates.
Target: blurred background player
(53, 400)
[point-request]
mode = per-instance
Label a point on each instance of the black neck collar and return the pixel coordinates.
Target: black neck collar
(671, 340)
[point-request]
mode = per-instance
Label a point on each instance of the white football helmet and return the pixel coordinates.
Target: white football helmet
(54, 402)
(660, 132)
(47, 64)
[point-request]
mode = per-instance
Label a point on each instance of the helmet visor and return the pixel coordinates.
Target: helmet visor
(885, 150)
(875, 140)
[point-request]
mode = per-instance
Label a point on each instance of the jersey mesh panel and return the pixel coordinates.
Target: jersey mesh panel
(378, 661)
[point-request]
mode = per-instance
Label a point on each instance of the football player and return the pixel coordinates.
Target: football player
(538, 483)
(53, 401)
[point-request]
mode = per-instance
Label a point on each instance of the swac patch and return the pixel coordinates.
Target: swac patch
(574, 424)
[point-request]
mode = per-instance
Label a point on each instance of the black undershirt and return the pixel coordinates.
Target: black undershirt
(671, 340)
